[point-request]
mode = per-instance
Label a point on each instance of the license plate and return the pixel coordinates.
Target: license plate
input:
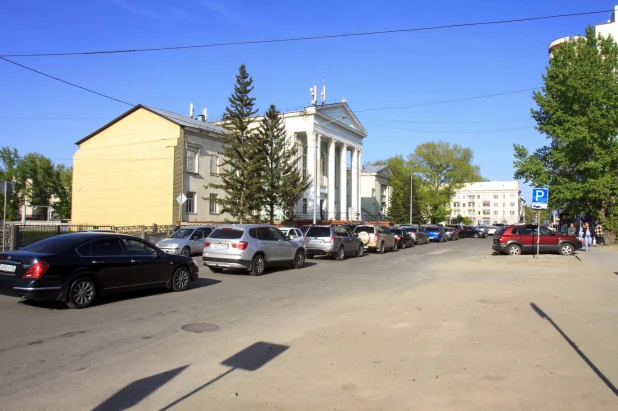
(7, 268)
(316, 241)
(220, 246)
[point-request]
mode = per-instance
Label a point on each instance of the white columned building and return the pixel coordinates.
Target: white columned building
(329, 138)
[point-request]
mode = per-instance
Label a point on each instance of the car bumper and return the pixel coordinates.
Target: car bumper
(26, 289)
(498, 247)
(171, 251)
(319, 250)
(219, 262)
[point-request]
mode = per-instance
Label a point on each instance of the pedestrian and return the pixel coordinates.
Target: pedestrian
(598, 232)
(587, 235)
(177, 226)
(571, 230)
(380, 215)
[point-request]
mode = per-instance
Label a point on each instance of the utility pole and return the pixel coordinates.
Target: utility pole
(411, 185)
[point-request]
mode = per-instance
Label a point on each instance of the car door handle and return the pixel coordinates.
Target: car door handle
(136, 261)
(260, 243)
(98, 262)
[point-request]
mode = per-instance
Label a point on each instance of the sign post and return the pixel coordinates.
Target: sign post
(539, 202)
(181, 200)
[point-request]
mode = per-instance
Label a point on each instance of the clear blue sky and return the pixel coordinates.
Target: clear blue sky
(41, 115)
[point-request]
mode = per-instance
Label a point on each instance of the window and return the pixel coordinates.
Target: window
(228, 233)
(512, 212)
(456, 205)
(304, 161)
(214, 207)
(512, 196)
(277, 235)
(470, 204)
(192, 160)
(471, 197)
(503, 204)
(495, 213)
(486, 212)
(103, 248)
(470, 212)
(134, 247)
(503, 195)
(190, 203)
(478, 197)
(495, 204)
(495, 195)
(479, 213)
(323, 164)
(304, 206)
(512, 204)
(486, 204)
(464, 204)
(214, 165)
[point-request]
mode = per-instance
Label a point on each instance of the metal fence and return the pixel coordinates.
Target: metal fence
(20, 235)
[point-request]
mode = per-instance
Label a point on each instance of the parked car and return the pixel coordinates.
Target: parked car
(376, 238)
(418, 234)
(303, 229)
(492, 230)
(76, 268)
(293, 234)
(404, 238)
(330, 240)
(473, 232)
(483, 228)
(186, 240)
(518, 239)
(252, 247)
(436, 233)
(451, 233)
(459, 228)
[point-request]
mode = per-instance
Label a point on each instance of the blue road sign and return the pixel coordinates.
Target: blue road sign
(539, 198)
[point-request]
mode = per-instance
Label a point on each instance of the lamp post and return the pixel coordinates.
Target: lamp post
(315, 174)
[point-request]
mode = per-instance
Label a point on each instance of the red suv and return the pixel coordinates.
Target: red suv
(518, 239)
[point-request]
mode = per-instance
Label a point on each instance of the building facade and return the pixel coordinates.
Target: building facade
(132, 170)
(375, 191)
(489, 203)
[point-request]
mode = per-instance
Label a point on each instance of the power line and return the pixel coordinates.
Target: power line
(453, 132)
(321, 37)
(55, 118)
(66, 82)
(448, 101)
(445, 122)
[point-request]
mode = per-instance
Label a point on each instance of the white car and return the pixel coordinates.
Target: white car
(294, 234)
(492, 230)
(186, 240)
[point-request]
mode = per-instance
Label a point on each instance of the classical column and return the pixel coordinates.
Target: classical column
(359, 167)
(343, 178)
(330, 194)
(318, 178)
(311, 172)
(354, 178)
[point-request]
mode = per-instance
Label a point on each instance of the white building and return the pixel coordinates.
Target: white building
(488, 203)
(375, 190)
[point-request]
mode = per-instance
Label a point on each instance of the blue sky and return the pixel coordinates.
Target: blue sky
(41, 115)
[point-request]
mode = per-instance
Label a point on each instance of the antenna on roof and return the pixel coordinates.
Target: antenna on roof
(205, 114)
(343, 100)
(191, 110)
(314, 95)
(323, 93)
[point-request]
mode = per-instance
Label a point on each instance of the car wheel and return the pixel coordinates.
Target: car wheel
(81, 293)
(514, 249)
(258, 265)
(180, 279)
(381, 249)
(403, 245)
(299, 259)
(340, 254)
(360, 251)
(567, 249)
(216, 269)
(395, 246)
(186, 252)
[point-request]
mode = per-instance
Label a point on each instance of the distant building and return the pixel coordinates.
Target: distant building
(489, 202)
(375, 190)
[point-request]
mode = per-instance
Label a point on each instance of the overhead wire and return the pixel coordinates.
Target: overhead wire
(308, 38)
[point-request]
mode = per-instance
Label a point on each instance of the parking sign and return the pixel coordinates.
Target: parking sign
(539, 198)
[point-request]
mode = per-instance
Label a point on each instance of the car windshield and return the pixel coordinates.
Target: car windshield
(361, 229)
(284, 231)
(449, 230)
(318, 232)
(54, 245)
(183, 233)
(227, 233)
(432, 229)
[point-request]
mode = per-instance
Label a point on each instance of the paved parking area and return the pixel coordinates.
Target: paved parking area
(438, 326)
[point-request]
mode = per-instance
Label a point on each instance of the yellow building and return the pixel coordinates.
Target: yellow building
(131, 170)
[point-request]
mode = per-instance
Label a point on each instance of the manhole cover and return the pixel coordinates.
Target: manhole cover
(200, 328)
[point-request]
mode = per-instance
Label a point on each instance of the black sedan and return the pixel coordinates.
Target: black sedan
(473, 232)
(75, 268)
(404, 238)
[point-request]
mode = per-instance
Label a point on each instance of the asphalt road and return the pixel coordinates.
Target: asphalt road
(45, 348)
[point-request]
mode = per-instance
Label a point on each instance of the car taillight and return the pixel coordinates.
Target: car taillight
(241, 245)
(398, 238)
(332, 240)
(206, 244)
(375, 237)
(36, 270)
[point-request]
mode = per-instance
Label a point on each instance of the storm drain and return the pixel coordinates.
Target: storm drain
(200, 328)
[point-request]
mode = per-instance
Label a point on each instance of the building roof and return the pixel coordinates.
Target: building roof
(373, 169)
(178, 119)
(490, 186)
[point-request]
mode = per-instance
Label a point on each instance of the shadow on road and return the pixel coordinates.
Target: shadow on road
(269, 270)
(135, 392)
(598, 372)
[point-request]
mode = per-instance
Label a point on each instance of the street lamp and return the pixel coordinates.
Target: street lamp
(315, 174)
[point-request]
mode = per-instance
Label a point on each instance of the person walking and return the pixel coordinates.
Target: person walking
(598, 232)
(587, 235)
(571, 230)
(177, 226)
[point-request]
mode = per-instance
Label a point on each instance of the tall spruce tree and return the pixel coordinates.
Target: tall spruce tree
(283, 184)
(242, 165)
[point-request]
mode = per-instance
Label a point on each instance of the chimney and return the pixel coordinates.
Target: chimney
(191, 110)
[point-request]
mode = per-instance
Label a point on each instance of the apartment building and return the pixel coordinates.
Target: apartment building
(489, 202)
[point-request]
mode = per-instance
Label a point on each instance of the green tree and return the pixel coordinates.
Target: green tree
(578, 111)
(63, 192)
(399, 207)
(35, 182)
(283, 184)
(242, 166)
(9, 159)
(462, 220)
(443, 169)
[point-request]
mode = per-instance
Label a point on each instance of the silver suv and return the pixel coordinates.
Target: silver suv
(252, 247)
(332, 240)
(186, 240)
(376, 237)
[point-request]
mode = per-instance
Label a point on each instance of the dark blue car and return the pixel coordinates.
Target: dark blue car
(436, 233)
